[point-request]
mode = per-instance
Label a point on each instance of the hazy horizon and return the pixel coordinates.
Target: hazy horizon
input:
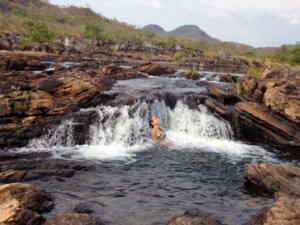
(266, 23)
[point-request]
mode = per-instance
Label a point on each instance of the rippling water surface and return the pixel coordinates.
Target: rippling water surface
(134, 181)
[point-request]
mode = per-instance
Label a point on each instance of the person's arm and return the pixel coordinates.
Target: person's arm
(153, 134)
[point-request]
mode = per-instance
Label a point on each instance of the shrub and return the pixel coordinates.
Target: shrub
(255, 71)
(249, 54)
(295, 54)
(191, 74)
(40, 33)
(209, 53)
(93, 31)
(178, 56)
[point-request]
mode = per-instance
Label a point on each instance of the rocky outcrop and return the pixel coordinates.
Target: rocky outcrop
(73, 219)
(31, 100)
(284, 182)
(193, 217)
(285, 210)
(268, 110)
(275, 177)
(21, 204)
(254, 118)
(154, 69)
(26, 170)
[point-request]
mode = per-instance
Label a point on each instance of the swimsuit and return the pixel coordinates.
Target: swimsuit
(161, 136)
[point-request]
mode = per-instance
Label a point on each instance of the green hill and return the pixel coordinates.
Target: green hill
(23, 16)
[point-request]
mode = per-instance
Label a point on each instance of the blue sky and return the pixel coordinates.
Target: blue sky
(254, 22)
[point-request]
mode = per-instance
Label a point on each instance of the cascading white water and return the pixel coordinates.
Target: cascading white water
(121, 131)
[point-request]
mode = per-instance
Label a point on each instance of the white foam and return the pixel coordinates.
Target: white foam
(121, 132)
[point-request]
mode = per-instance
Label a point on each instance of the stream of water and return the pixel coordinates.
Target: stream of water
(135, 181)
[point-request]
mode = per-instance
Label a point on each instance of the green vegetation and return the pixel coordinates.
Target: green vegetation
(289, 54)
(239, 88)
(255, 71)
(79, 21)
(40, 33)
(93, 31)
(42, 22)
(178, 56)
(191, 74)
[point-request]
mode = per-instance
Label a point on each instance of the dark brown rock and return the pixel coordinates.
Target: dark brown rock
(270, 127)
(26, 170)
(248, 84)
(72, 219)
(192, 220)
(154, 69)
(20, 204)
(227, 78)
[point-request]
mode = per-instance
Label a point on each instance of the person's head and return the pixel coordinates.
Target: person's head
(154, 121)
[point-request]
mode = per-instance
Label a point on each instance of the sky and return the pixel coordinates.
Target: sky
(259, 23)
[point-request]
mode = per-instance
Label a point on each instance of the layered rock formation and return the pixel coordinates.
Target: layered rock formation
(31, 100)
(284, 182)
(264, 111)
(22, 204)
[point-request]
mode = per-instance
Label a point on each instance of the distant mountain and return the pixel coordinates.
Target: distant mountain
(153, 28)
(191, 32)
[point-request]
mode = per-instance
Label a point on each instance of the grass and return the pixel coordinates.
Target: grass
(239, 89)
(254, 71)
(178, 56)
(191, 74)
(83, 22)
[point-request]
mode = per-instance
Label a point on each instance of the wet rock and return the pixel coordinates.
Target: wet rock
(275, 177)
(84, 208)
(35, 65)
(154, 69)
(50, 85)
(111, 69)
(193, 217)
(227, 78)
(17, 63)
(29, 101)
(254, 119)
(21, 204)
(72, 219)
(21, 170)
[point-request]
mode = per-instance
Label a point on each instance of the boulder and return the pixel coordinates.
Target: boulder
(21, 204)
(282, 92)
(285, 210)
(26, 170)
(254, 119)
(72, 219)
(193, 217)
(248, 84)
(227, 78)
(272, 178)
(154, 69)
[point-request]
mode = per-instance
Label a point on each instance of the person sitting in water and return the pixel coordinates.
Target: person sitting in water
(156, 133)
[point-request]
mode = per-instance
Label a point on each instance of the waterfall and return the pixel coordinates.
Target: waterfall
(118, 132)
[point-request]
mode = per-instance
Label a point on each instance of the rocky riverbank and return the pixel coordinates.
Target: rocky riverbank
(41, 88)
(263, 111)
(281, 181)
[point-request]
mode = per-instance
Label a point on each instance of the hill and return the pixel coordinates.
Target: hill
(190, 32)
(153, 28)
